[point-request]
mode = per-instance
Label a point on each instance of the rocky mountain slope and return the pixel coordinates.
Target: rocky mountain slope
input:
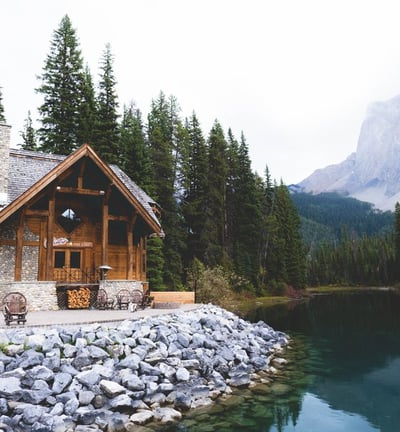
(372, 173)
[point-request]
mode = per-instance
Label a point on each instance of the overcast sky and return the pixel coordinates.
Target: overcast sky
(295, 76)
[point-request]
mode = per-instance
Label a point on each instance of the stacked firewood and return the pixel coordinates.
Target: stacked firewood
(78, 298)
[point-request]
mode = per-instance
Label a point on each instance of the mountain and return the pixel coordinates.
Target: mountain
(326, 215)
(372, 173)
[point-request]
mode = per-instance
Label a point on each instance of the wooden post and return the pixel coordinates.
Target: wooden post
(50, 237)
(130, 250)
(19, 246)
(104, 234)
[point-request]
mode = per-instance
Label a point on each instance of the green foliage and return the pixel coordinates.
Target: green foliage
(165, 151)
(155, 264)
(29, 134)
(86, 132)
(62, 83)
(211, 285)
(214, 215)
(333, 211)
(106, 139)
(135, 160)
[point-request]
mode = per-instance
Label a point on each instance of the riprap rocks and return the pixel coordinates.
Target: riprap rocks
(112, 377)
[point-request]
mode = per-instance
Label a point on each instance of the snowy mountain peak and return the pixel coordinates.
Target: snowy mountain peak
(372, 173)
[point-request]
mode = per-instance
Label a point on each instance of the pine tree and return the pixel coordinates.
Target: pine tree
(106, 141)
(292, 255)
(87, 111)
(194, 202)
(61, 87)
(2, 117)
(248, 218)
(164, 143)
(214, 233)
(135, 160)
(29, 134)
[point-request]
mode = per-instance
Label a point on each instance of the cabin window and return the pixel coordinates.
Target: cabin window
(69, 220)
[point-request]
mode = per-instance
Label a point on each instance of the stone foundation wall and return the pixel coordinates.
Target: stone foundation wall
(112, 287)
(7, 263)
(30, 263)
(39, 295)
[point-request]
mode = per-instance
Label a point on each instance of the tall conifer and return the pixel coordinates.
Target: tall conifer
(106, 141)
(194, 202)
(163, 139)
(215, 218)
(135, 160)
(28, 134)
(87, 111)
(61, 87)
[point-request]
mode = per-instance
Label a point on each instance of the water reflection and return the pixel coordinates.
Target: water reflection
(357, 338)
(316, 416)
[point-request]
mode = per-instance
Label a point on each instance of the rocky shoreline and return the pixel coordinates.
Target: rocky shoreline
(99, 377)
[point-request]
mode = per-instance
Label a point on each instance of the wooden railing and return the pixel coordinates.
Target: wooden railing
(75, 276)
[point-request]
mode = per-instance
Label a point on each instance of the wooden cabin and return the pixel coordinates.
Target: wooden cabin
(65, 220)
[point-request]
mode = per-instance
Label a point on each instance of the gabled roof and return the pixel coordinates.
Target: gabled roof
(30, 172)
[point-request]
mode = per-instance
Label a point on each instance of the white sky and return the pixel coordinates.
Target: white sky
(296, 76)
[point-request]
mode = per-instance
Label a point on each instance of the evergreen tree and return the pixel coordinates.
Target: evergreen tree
(194, 202)
(107, 131)
(29, 135)
(61, 87)
(155, 264)
(214, 231)
(2, 117)
(232, 198)
(87, 111)
(163, 140)
(293, 264)
(248, 218)
(135, 159)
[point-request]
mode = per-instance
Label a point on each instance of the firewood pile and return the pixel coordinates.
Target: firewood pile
(79, 298)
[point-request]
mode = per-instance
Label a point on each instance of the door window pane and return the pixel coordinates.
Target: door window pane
(59, 259)
(75, 260)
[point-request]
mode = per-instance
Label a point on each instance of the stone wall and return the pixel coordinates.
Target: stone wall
(112, 287)
(39, 295)
(7, 263)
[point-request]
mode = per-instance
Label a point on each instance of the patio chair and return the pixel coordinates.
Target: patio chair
(14, 308)
(123, 299)
(136, 300)
(103, 302)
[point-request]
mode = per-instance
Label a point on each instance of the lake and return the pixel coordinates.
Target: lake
(343, 372)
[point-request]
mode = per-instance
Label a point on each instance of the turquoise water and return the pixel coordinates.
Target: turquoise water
(343, 372)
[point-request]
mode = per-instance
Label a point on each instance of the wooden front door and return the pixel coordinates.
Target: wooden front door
(69, 265)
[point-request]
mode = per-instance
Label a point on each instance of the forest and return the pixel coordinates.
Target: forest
(224, 224)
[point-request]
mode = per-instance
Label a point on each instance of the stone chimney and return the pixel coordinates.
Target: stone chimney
(5, 132)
